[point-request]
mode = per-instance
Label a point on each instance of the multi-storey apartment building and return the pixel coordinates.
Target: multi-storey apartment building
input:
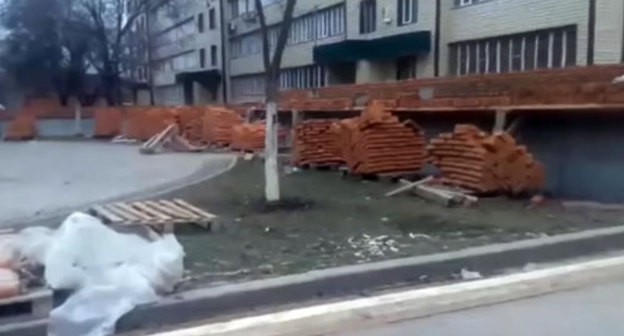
(356, 41)
(181, 52)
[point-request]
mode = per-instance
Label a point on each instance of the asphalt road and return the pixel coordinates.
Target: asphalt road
(39, 179)
(587, 312)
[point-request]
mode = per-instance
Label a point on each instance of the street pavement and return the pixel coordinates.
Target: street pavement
(39, 179)
(596, 311)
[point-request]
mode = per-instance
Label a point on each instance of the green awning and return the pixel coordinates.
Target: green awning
(390, 47)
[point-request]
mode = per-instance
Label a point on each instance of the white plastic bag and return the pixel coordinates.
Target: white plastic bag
(111, 273)
(33, 243)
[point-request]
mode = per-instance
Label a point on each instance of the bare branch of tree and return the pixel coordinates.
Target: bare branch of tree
(266, 47)
(284, 33)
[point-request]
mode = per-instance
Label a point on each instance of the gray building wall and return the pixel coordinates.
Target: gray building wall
(176, 43)
(479, 20)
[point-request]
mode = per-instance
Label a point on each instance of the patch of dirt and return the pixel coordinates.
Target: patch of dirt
(327, 221)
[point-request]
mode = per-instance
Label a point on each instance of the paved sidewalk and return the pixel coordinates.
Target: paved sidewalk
(39, 179)
(586, 312)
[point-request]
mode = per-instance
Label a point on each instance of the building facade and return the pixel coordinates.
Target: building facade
(358, 41)
(181, 53)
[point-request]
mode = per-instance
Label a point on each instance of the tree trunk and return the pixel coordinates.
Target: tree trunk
(271, 166)
(78, 118)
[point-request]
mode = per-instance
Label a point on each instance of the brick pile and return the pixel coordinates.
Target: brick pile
(249, 137)
(190, 120)
(218, 125)
(142, 123)
(377, 142)
(108, 122)
(22, 127)
(485, 163)
(315, 143)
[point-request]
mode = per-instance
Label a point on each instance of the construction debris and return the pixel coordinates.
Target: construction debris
(486, 163)
(315, 144)
(171, 139)
(408, 186)
(377, 142)
(437, 193)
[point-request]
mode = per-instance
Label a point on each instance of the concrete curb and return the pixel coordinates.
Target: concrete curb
(356, 280)
(359, 279)
(408, 305)
(200, 175)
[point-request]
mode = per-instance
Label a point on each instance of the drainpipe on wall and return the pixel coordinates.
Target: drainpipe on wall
(591, 32)
(436, 41)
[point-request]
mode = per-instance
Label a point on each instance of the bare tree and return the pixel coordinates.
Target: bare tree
(110, 23)
(272, 66)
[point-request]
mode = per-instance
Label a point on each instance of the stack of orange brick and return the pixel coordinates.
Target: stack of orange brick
(22, 127)
(314, 143)
(486, 163)
(108, 122)
(377, 142)
(142, 123)
(249, 137)
(218, 125)
(190, 121)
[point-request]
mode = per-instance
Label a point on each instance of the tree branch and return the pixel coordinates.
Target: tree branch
(266, 48)
(283, 34)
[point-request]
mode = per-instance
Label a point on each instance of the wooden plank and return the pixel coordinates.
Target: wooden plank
(177, 211)
(140, 216)
(408, 186)
(106, 215)
(127, 220)
(433, 195)
(176, 218)
(122, 212)
(159, 215)
(151, 145)
(194, 209)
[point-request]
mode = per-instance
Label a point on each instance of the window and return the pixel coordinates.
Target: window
(213, 55)
(460, 3)
(529, 53)
(408, 11)
(200, 22)
(302, 77)
(543, 49)
(550, 48)
(322, 24)
(212, 19)
(368, 16)
(202, 58)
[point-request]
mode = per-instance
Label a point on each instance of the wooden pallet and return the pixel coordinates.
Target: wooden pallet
(161, 215)
(391, 176)
(36, 304)
(322, 166)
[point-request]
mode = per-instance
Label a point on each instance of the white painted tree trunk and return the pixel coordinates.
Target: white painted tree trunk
(271, 167)
(78, 119)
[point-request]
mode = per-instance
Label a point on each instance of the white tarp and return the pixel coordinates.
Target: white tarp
(111, 273)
